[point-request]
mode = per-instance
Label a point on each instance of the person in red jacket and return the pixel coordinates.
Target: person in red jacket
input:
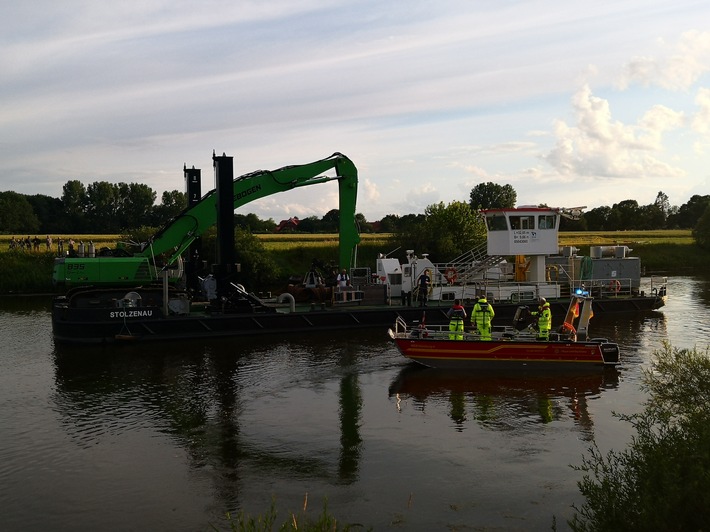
(456, 315)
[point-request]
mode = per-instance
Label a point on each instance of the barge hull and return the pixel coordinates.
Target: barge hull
(101, 325)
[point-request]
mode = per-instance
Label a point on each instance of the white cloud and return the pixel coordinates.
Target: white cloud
(372, 192)
(417, 199)
(597, 146)
(679, 66)
(425, 98)
(701, 119)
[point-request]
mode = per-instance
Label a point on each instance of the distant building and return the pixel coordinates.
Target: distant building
(287, 226)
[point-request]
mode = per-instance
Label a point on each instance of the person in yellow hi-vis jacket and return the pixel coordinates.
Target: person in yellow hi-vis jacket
(544, 319)
(456, 316)
(482, 316)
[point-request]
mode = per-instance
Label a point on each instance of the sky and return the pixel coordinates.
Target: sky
(571, 103)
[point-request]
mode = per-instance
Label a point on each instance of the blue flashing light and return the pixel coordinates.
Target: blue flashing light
(581, 292)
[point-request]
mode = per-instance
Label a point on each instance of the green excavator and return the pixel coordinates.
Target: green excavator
(163, 251)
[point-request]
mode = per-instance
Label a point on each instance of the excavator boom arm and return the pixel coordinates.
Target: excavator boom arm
(175, 237)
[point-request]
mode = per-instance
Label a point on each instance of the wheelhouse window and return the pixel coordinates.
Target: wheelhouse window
(522, 222)
(546, 221)
(496, 223)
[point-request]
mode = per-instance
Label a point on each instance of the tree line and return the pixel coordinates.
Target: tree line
(623, 216)
(108, 208)
(99, 208)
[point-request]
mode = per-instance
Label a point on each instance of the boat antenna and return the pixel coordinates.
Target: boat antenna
(388, 254)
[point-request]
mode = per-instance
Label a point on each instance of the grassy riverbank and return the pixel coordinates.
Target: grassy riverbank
(26, 273)
(667, 252)
(661, 252)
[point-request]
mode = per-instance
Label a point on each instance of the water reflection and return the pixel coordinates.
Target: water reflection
(701, 288)
(505, 400)
(173, 435)
(350, 419)
(23, 305)
(214, 401)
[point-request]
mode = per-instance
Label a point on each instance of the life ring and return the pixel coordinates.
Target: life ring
(451, 275)
(614, 286)
(569, 329)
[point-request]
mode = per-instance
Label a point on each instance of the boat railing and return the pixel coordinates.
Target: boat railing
(442, 332)
(529, 292)
(658, 285)
(400, 326)
(468, 267)
(609, 287)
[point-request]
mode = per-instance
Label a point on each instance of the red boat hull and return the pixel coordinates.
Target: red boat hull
(461, 354)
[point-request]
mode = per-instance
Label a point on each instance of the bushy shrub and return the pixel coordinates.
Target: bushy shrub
(662, 480)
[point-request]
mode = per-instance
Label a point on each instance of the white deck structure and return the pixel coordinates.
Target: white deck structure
(527, 236)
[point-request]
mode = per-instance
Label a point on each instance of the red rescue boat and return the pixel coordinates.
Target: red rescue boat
(516, 345)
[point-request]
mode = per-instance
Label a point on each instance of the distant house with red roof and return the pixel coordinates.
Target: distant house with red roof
(286, 226)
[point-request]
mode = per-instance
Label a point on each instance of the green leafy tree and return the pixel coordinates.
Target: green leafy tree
(411, 222)
(172, 203)
(567, 224)
(614, 221)
(362, 224)
(136, 236)
(650, 217)
(253, 223)
(135, 204)
(598, 219)
(390, 223)
(492, 196)
(623, 215)
(331, 221)
(74, 204)
(447, 231)
(701, 232)
(310, 224)
(49, 213)
(671, 222)
(102, 207)
(16, 214)
(663, 204)
(689, 213)
(257, 267)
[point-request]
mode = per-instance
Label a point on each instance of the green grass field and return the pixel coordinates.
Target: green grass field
(625, 238)
(282, 242)
(278, 242)
(661, 252)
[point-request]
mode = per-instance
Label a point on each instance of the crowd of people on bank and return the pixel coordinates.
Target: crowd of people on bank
(60, 245)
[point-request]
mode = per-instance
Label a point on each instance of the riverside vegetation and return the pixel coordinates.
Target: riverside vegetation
(273, 259)
(661, 481)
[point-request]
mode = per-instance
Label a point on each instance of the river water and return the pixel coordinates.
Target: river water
(173, 436)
